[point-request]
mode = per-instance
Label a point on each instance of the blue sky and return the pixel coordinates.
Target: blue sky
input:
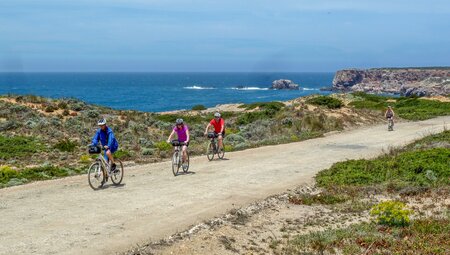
(232, 35)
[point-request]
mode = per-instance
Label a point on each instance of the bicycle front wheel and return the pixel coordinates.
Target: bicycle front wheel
(186, 163)
(221, 151)
(96, 176)
(175, 163)
(117, 175)
(210, 151)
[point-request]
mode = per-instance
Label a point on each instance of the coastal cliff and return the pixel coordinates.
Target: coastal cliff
(403, 81)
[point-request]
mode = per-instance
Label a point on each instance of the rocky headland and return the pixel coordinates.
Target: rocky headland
(403, 81)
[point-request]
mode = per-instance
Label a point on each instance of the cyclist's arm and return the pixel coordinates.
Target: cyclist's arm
(187, 136)
(95, 138)
(110, 139)
(222, 128)
(170, 136)
(207, 127)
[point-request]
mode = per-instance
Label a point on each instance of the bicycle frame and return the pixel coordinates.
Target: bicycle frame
(104, 164)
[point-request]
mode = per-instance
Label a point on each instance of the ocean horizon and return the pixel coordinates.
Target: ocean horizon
(162, 91)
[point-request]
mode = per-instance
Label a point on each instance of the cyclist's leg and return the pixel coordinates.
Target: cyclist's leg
(220, 143)
(220, 139)
(109, 155)
(184, 149)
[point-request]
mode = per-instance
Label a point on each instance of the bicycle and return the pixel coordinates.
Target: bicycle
(177, 158)
(99, 172)
(212, 149)
(390, 124)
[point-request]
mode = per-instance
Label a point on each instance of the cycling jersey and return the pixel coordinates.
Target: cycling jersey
(181, 133)
(389, 114)
(218, 125)
(106, 138)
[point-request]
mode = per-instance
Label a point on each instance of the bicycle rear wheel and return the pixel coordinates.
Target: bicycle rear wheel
(186, 163)
(96, 176)
(175, 163)
(117, 176)
(210, 151)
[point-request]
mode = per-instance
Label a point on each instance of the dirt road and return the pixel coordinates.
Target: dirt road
(67, 217)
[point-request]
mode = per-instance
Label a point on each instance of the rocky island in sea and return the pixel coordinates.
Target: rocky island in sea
(430, 81)
(284, 84)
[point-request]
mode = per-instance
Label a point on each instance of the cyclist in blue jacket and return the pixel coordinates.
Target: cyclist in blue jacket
(106, 137)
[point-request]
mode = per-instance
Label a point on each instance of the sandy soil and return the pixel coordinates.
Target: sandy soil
(66, 217)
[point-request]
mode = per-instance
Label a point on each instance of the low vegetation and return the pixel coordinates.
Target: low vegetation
(416, 172)
(18, 147)
(198, 107)
(410, 108)
(416, 165)
(327, 101)
(422, 236)
(12, 177)
(35, 131)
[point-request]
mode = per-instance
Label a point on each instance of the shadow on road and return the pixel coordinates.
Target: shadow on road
(112, 186)
(187, 173)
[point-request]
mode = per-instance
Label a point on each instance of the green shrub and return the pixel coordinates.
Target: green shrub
(148, 151)
(77, 106)
(85, 159)
(6, 173)
(410, 168)
(62, 105)
(18, 147)
(421, 109)
(66, 145)
(122, 154)
(264, 114)
(163, 146)
(391, 213)
(11, 177)
(50, 108)
(329, 102)
(188, 119)
(93, 114)
(324, 198)
(198, 107)
(228, 148)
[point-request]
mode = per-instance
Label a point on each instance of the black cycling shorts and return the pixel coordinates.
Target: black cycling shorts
(223, 134)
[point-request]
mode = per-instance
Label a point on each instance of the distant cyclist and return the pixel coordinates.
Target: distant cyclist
(389, 115)
(219, 128)
(182, 131)
(105, 136)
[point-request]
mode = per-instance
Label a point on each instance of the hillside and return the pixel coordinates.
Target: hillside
(43, 138)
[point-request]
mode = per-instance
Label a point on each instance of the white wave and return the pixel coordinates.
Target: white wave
(310, 89)
(248, 88)
(198, 87)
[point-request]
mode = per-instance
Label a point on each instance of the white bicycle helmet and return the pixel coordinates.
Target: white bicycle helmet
(216, 115)
(101, 122)
(179, 121)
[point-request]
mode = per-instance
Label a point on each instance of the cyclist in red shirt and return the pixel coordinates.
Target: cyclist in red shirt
(219, 128)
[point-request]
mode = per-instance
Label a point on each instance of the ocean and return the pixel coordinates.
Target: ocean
(157, 92)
